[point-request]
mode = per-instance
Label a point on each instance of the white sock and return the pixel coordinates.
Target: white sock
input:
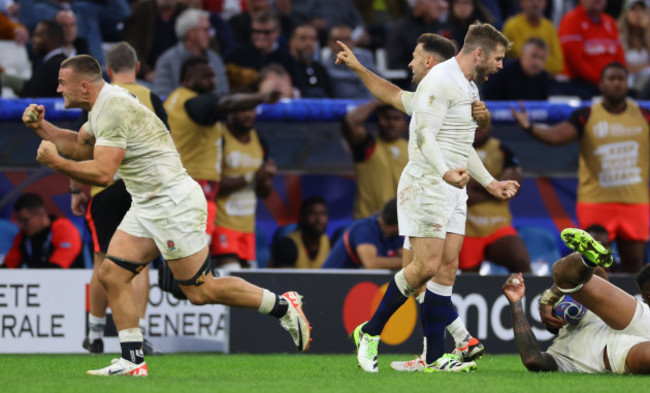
(268, 301)
(420, 298)
(439, 289)
(130, 335)
(96, 327)
(458, 330)
(143, 325)
(403, 285)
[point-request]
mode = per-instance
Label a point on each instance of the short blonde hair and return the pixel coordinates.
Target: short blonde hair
(85, 65)
(484, 36)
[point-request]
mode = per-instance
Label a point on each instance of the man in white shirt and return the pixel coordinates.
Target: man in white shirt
(607, 329)
(431, 194)
(168, 212)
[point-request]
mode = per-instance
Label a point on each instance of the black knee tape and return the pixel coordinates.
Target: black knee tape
(199, 277)
(133, 267)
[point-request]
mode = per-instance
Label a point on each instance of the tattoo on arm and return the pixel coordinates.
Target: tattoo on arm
(527, 344)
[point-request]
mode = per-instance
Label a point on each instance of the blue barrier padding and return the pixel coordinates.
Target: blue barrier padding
(12, 109)
(309, 110)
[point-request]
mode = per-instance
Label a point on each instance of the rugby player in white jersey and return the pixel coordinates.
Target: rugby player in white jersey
(167, 216)
(609, 330)
(430, 50)
(431, 194)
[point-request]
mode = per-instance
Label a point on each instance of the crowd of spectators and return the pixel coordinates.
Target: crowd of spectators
(195, 53)
(241, 38)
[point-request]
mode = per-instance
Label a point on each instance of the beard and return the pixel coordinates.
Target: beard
(480, 72)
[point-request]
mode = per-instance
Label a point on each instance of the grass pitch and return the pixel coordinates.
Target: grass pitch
(179, 373)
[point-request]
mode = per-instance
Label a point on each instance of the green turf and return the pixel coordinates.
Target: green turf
(195, 373)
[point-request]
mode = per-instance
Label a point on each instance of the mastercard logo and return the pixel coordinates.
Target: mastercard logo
(362, 301)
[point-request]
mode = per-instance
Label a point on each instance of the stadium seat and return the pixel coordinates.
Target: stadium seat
(8, 231)
(542, 246)
(262, 248)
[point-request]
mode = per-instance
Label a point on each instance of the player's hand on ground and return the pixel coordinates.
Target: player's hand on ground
(521, 117)
(78, 203)
(271, 97)
(547, 317)
(479, 111)
(33, 116)
(503, 189)
(47, 153)
(347, 57)
(457, 177)
(514, 287)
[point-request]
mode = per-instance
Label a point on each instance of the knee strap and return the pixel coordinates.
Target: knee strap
(199, 277)
(571, 290)
(133, 267)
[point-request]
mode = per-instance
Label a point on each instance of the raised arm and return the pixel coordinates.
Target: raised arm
(559, 134)
(207, 109)
(74, 145)
(526, 342)
(354, 129)
(382, 89)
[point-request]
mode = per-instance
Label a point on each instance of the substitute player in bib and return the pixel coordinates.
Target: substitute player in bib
(609, 330)
(431, 195)
(167, 216)
(614, 139)
(431, 50)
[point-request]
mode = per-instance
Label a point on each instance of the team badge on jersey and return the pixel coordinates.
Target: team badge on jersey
(171, 246)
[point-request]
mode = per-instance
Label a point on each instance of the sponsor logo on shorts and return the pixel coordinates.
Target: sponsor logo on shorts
(171, 246)
(437, 227)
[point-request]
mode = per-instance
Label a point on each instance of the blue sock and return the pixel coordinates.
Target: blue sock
(436, 314)
(453, 314)
(392, 300)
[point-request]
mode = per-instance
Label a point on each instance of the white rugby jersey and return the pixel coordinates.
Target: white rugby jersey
(151, 167)
(441, 106)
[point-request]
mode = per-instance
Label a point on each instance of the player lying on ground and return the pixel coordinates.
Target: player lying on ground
(602, 328)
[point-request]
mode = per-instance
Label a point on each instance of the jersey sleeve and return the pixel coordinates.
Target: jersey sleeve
(361, 234)
(407, 101)
(66, 243)
(111, 128)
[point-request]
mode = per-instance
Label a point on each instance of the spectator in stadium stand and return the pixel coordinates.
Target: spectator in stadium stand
(589, 40)
(379, 16)
(371, 243)
(614, 138)
(307, 246)
(384, 152)
(274, 77)
(247, 60)
(522, 79)
(44, 241)
(463, 13)
(74, 45)
(246, 174)
(48, 50)
(425, 16)
(242, 23)
(599, 328)
(193, 32)
(528, 23)
(151, 31)
(326, 14)
(345, 82)
(634, 28)
(90, 17)
(12, 30)
(489, 233)
(312, 80)
(193, 112)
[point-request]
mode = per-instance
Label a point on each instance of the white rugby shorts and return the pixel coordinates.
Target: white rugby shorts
(429, 207)
(178, 229)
